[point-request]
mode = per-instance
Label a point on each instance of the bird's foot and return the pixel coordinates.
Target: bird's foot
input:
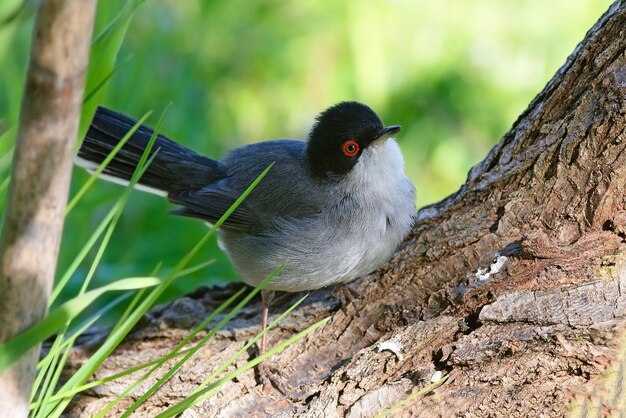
(347, 295)
(271, 377)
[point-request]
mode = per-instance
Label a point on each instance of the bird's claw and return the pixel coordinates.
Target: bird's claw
(271, 377)
(347, 295)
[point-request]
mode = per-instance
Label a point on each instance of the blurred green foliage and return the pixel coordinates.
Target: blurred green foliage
(454, 74)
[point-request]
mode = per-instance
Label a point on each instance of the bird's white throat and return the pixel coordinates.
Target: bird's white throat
(380, 166)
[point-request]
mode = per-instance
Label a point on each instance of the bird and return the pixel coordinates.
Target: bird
(332, 208)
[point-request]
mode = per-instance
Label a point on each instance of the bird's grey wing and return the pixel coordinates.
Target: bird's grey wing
(286, 192)
(210, 204)
(264, 205)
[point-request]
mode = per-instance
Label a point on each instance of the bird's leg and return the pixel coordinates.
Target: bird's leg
(266, 296)
(264, 313)
(348, 296)
(267, 373)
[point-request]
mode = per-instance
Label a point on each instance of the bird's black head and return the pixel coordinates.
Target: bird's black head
(340, 135)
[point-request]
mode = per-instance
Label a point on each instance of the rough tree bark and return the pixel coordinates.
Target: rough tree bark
(513, 287)
(40, 179)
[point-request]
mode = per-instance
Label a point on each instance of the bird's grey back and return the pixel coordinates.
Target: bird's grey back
(287, 191)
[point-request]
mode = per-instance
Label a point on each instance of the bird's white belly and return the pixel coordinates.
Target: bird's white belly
(315, 253)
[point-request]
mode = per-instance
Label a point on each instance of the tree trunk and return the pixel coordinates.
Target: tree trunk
(40, 179)
(512, 287)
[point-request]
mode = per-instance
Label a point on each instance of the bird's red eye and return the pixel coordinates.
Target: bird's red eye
(350, 148)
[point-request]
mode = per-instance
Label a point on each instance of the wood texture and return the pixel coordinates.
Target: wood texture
(40, 178)
(513, 286)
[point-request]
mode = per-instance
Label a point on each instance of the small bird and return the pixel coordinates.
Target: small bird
(331, 209)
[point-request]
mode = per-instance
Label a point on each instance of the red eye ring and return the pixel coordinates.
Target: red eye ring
(350, 148)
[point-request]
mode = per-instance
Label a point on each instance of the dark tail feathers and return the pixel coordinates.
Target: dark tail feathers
(174, 168)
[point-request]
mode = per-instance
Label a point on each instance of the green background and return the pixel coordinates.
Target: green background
(455, 74)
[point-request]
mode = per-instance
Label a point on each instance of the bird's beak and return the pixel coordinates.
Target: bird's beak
(388, 132)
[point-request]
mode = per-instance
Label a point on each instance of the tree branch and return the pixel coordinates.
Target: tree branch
(42, 164)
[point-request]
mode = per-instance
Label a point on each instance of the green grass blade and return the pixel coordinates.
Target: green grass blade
(3, 188)
(116, 336)
(5, 184)
(57, 364)
(155, 133)
(107, 224)
(133, 303)
(183, 263)
(65, 345)
(8, 136)
(159, 363)
(195, 268)
(5, 164)
(412, 397)
(14, 14)
(100, 84)
(65, 395)
(249, 344)
(44, 367)
(92, 179)
(103, 245)
(12, 349)
(208, 391)
(141, 168)
(102, 58)
(89, 367)
(88, 322)
(62, 282)
(200, 344)
(58, 355)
